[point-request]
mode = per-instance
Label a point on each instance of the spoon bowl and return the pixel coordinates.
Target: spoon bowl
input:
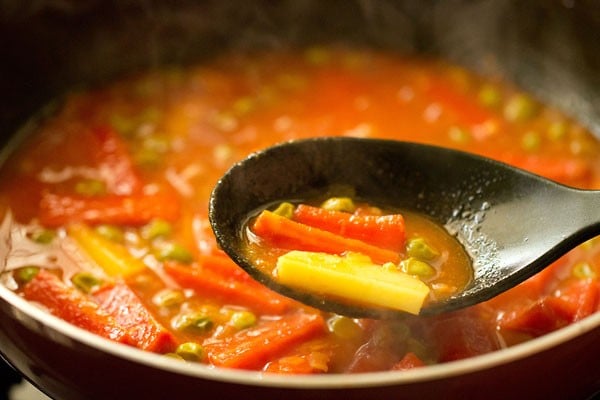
(512, 223)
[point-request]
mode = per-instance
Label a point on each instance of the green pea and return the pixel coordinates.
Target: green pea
(344, 327)
(174, 252)
(459, 135)
(151, 151)
(86, 282)
(25, 274)
(190, 351)
(531, 141)
(345, 204)
(146, 157)
(90, 187)
(583, 270)
(174, 356)
(157, 228)
(285, 209)
(419, 248)
(242, 319)
(243, 105)
(416, 267)
(124, 125)
(489, 96)
(168, 298)
(43, 236)
(111, 232)
(317, 56)
(194, 322)
(557, 130)
(520, 108)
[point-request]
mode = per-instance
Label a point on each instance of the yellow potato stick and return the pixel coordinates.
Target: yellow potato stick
(112, 257)
(353, 278)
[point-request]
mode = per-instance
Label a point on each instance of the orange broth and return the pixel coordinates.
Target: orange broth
(106, 202)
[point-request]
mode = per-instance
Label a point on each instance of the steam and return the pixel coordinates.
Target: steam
(546, 47)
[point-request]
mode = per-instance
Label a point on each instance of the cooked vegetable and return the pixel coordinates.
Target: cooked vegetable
(174, 252)
(86, 282)
(352, 278)
(113, 258)
(419, 248)
(385, 231)
(250, 348)
(190, 351)
(228, 288)
(73, 306)
(121, 172)
(129, 311)
(284, 233)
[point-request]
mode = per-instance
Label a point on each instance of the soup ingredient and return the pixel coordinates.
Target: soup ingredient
(360, 257)
(353, 278)
(142, 155)
(285, 233)
(386, 231)
(73, 306)
(250, 348)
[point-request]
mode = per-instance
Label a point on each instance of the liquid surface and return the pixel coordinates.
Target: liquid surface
(109, 196)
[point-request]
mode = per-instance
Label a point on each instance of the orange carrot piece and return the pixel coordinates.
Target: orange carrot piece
(409, 361)
(129, 311)
(577, 299)
(285, 233)
(247, 293)
(136, 209)
(71, 305)
(386, 231)
(536, 319)
(223, 265)
(253, 348)
(115, 164)
(291, 365)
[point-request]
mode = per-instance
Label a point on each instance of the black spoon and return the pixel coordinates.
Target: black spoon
(511, 222)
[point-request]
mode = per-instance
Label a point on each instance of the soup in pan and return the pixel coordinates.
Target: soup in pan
(105, 207)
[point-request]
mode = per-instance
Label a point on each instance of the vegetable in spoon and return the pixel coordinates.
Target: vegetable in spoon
(359, 256)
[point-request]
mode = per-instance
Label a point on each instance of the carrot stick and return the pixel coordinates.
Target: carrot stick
(112, 257)
(252, 348)
(71, 305)
(223, 266)
(536, 319)
(128, 310)
(114, 162)
(136, 209)
(386, 231)
(577, 299)
(247, 293)
(285, 233)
